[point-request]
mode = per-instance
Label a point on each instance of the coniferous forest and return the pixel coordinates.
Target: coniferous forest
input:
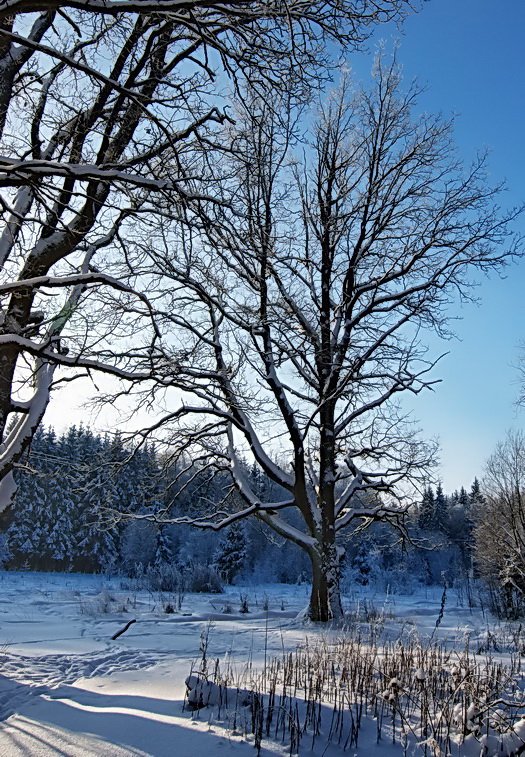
(88, 503)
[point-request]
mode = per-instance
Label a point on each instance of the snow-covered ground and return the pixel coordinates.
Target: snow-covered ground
(67, 688)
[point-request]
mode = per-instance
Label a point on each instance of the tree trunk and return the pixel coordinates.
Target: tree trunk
(325, 600)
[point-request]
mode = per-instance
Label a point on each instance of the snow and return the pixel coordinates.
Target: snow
(67, 689)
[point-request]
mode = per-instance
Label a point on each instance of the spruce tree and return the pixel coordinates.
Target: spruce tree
(363, 562)
(426, 517)
(68, 498)
(441, 511)
(27, 532)
(230, 556)
(163, 550)
(73, 497)
(476, 499)
(97, 536)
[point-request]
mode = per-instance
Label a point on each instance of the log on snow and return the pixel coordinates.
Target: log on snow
(122, 630)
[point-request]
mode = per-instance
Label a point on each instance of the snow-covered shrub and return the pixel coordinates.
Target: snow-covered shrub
(243, 607)
(101, 604)
(203, 579)
(163, 577)
(203, 693)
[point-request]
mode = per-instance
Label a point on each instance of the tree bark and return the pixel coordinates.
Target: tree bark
(325, 599)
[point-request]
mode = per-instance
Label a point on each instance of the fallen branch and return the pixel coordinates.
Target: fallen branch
(123, 630)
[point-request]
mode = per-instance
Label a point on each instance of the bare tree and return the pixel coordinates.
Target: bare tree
(108, 115)
(500, 525)
(300, 324)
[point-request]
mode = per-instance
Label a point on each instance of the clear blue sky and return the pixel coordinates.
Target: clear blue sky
(470, 53)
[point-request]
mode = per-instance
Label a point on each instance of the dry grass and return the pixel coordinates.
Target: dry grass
(406, 692)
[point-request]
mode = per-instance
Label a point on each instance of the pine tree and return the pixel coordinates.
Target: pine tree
(65, 514)
(441, 513)
(454, 498)
(69, 496)
(363, 563)
(471, 503)
(61, 542)
(97, 535)
(163, 550)
(426, 517)
(476, 499)
(137, 546)
(26, 535)
(230, 556)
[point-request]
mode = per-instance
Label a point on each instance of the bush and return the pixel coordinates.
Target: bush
(202, 579)
(102, 604)
(164, 577)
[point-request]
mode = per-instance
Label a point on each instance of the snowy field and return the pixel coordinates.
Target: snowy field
(67, 688)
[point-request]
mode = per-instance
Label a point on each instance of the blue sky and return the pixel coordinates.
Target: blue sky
(470, 54)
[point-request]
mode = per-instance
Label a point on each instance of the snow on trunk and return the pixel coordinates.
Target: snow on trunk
(325, 599)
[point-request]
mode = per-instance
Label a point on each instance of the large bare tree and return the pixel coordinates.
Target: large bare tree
(108, 114)
(500, 525)
(300, 324)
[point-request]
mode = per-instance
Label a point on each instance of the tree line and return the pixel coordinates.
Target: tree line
(94, 503)
(441, 543)
(80, 503)
(89, 502)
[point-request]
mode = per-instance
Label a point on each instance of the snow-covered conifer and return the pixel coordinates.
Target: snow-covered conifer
(230, 557)
(164, 548)
(426, 515)
(441, 510)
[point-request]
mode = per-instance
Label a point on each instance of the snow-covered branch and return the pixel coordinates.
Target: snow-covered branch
(368, 515)
(17, 172)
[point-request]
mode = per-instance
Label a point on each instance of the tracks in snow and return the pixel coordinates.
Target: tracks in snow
(22, 678)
